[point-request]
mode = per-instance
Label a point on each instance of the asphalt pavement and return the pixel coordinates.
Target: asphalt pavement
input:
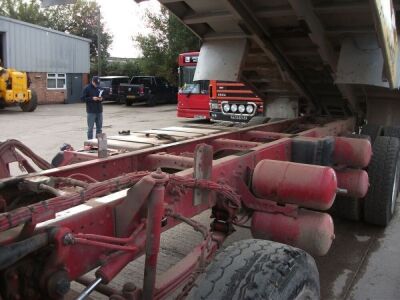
(363, 263)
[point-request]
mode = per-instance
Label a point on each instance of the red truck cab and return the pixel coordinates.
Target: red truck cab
(193, 96)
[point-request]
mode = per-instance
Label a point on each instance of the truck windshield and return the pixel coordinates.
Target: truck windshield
(186, 83)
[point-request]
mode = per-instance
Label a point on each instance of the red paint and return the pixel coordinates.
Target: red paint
(192, 101)
(274, 180)
(354, 181)
(286, 182)
(352, 152)
(309, 230)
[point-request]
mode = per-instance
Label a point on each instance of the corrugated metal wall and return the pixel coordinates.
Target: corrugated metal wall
(36, 49)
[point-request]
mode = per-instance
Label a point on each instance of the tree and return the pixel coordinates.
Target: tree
(131, 67)
(25, 11)
(81, 19)
(161, 48)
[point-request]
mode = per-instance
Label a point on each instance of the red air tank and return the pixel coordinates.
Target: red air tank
(310, 230)
(352, 152)
(354, 181)
(287, 182)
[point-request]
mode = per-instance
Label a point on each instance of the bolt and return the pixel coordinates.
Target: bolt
(62, 286)
(159, 176)
(58, 284)
(129, 287)
(68, 239)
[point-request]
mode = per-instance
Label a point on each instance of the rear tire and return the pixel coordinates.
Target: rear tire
(259, 269)
(31, 105)
(384, 173)
(151, 100)
(393, 131)
(372, 130)
(347, 208)
(128, 102)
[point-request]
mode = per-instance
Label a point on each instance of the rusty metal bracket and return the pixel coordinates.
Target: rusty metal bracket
(202, 170)
(264, 205)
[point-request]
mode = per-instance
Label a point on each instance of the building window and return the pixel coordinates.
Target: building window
(56, 81)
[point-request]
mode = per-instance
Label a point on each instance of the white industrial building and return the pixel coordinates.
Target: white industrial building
(57, 63)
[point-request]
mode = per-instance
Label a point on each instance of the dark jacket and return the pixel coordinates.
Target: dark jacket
(88, 93)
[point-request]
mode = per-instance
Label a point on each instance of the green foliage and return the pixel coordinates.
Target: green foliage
(25, 11)
(131, 67)
(81, 19)
(161, 48)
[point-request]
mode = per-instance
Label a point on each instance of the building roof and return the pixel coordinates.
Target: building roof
(44, 29)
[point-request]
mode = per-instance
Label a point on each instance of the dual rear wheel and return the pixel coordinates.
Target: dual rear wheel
(378, 206)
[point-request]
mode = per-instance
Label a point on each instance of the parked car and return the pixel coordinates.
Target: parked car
(150, 89)
(110, 85)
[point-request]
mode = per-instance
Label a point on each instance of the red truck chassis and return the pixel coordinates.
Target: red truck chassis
(58, 224)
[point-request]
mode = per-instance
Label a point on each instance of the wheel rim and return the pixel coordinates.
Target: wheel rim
(395, 186)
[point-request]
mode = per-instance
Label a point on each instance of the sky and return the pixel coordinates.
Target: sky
(124, 20)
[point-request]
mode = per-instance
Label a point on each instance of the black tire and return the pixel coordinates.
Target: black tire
(258, 269)
(372, 130)
(393, 131)
(347, 208)
(31, 105)
(128, 102)
(173, 99)
(151, 100)
(383, 172)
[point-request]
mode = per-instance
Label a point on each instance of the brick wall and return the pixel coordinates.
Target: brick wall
(45, 96)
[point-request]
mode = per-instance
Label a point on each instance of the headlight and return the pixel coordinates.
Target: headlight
(249, 109)
(226, 107)
(234, 108)
(241, 108)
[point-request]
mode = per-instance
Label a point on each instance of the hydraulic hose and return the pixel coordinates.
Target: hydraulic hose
(12, 253)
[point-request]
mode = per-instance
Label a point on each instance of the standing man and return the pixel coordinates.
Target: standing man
(92, 96)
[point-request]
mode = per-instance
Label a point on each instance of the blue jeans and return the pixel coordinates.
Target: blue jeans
(91, 119)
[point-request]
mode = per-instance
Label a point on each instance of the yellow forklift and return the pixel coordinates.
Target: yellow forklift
(14, 89)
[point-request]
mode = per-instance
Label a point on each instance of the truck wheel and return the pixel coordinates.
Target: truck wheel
(259, 269)
(151, 100)
(347, 208)
(372, 130)
(128, 102)
(173, 99)
(30, 105)
(393, 131)
(383, 172)
(120, 100)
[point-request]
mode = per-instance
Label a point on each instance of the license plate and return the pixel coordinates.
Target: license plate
(130, 97)
(20, 96)
(239, 118)
(200, 117)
